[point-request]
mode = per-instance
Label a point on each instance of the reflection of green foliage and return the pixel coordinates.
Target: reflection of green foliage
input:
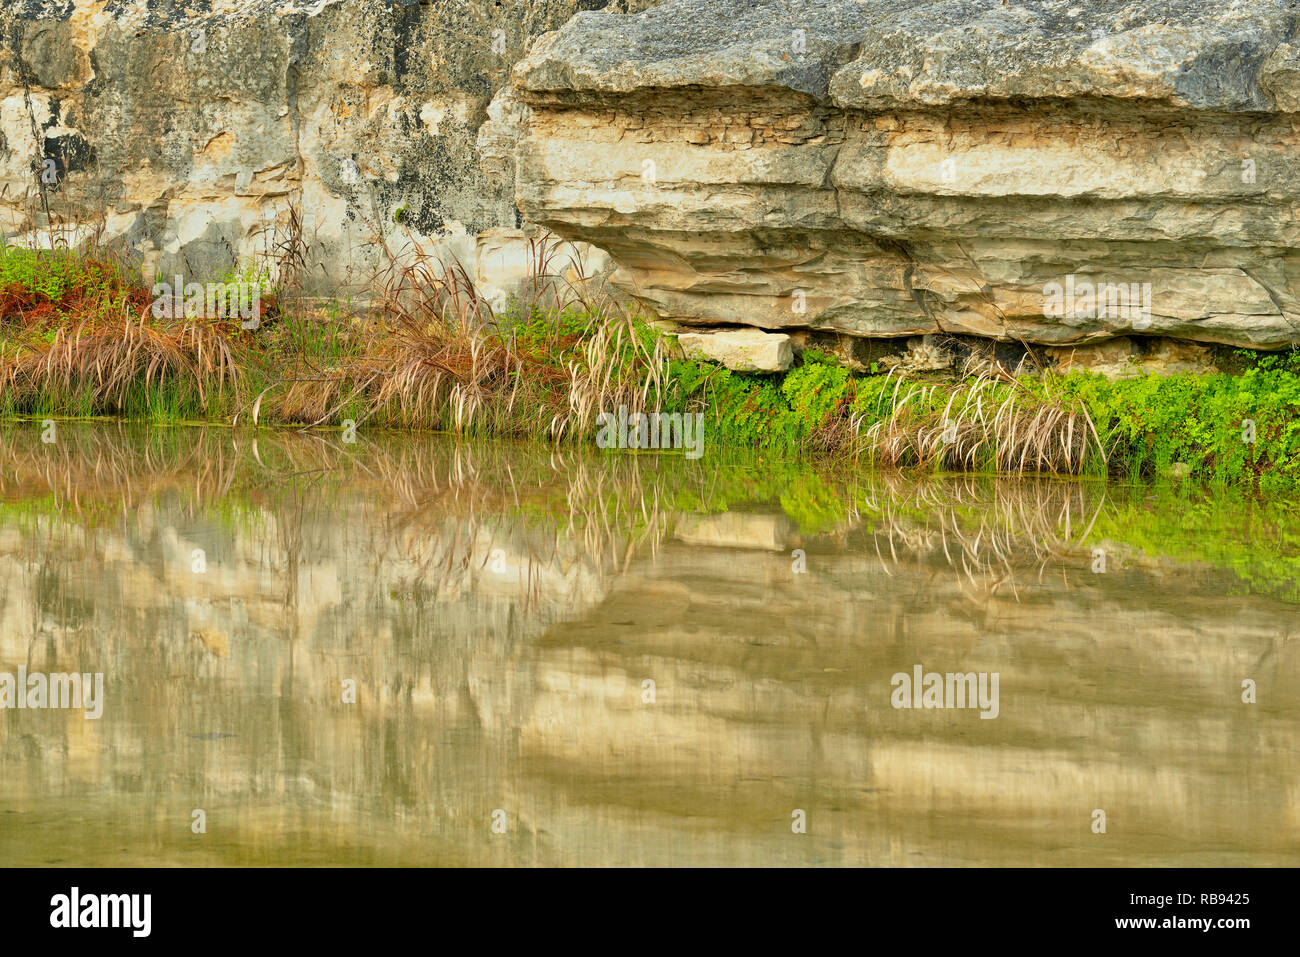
(815, 506)
(807, 496)
(1255, 538)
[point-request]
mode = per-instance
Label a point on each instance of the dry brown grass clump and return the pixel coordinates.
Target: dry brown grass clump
(992, 420)
(435, 354)
(427, 351)
(106, 363)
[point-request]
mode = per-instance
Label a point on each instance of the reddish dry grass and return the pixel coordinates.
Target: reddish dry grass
(431, 353)
(32, 309)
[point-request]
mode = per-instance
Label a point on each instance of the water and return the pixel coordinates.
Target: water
(500, 607)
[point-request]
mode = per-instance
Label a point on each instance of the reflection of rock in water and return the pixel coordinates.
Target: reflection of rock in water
(421, 607)
(499, 631)
(772, 693)
(737, 530)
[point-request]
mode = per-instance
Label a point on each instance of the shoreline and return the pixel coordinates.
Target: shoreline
(80, 339)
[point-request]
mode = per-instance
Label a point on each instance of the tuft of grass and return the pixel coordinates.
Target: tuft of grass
(429, 353)
(989, 421)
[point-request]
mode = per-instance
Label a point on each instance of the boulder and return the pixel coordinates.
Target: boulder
(741, 350)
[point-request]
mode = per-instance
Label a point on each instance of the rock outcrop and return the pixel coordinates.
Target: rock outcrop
(1029, 171)
(190, 129)
(1050, 172)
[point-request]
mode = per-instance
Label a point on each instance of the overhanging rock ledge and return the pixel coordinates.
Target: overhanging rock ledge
(887, 168)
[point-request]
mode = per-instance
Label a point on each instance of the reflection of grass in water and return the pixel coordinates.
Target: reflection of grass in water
(613, 506)
(987, 526)
(810, 498)
(94, 477)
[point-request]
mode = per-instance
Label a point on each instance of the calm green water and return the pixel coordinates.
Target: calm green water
(500, 608)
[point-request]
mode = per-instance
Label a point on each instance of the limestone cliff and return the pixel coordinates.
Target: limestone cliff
(1029, 170)
(194, 126)
(1037, 170)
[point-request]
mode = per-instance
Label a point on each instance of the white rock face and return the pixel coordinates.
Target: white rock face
(191, 131)
(1028, 171)
(741, 350)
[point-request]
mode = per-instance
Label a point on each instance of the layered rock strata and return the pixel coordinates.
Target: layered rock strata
(1049, 172)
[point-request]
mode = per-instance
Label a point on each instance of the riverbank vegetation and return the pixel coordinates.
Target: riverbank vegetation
(78, 338)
